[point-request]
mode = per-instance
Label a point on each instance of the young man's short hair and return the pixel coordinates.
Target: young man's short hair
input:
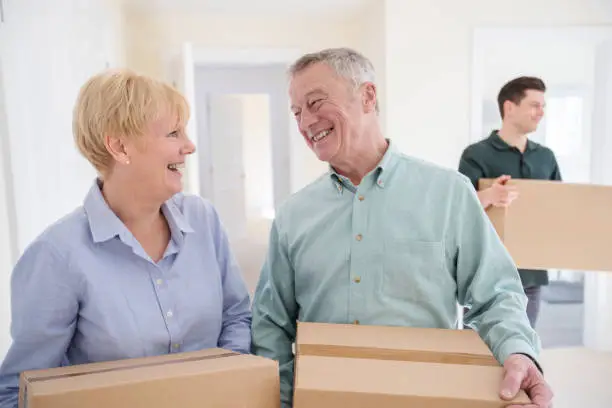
(516, 89)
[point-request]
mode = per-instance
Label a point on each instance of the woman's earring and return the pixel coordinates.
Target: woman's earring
(127, 161)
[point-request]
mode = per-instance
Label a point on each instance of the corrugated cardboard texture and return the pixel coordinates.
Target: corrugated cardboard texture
(554, 225)
(204, 379)
(393, 343)
(328, 382)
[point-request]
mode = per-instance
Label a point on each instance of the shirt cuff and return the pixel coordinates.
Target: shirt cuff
(534, 362)
(517, 347)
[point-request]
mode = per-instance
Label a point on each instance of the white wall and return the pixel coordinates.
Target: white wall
(428, 62)
(49, 55)
(7, 224)
(370, 33)
(48, 50)
(153, 38)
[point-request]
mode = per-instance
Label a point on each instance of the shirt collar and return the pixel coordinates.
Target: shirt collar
(379, 173)
(104, 223)
(500, 144)
(176, 219)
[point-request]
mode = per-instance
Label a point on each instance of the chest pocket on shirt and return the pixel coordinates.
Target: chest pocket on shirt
(413, 270)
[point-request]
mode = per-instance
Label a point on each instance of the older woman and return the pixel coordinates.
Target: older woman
(140, 269)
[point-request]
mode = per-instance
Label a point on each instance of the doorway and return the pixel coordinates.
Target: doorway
(243, 137)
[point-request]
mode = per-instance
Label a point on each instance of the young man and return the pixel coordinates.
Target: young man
(508, 153)
(375, 240)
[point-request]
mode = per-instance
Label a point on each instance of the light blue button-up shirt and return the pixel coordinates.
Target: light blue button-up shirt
(86, 291)
(400, 249)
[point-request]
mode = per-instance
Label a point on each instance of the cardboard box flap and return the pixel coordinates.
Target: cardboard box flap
(131, 363)
(160, 370)
(393, 343)
(426, 384)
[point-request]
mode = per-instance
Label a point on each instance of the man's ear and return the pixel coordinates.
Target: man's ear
(117, 148)
(508, 107)
(370, 98)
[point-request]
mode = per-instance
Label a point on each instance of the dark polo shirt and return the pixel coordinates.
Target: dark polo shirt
(493, 157)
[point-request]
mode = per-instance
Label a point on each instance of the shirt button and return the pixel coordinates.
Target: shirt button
(169, 313)
(361, 198)
(359, 237)
(176, 346)
(159, 282)
(357, 279)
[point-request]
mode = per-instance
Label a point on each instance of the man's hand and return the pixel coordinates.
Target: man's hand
(521, 373)
(499, 194)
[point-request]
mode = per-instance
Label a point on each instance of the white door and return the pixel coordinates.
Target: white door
(226, 129)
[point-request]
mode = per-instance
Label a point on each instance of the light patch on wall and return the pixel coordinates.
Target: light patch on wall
(564, 131)
(257, 156)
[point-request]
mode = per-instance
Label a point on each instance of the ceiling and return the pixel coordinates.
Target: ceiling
(250, 7)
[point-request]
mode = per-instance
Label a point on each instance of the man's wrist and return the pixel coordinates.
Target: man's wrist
(534, 362)
(484, 198)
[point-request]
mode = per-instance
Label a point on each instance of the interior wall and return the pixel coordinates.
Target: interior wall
(48, 56)
(370, 30)
(153, 38)
(8, 245)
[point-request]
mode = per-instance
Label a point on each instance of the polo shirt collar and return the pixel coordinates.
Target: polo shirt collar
(500, 144)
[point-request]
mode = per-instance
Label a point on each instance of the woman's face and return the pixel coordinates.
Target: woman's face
(157, 159)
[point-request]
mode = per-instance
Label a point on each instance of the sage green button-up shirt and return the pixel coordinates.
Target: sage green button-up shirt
(400, 249)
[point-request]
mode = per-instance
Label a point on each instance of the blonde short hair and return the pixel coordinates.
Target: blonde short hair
(121, 103)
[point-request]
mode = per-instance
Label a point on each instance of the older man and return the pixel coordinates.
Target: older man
(382, 238)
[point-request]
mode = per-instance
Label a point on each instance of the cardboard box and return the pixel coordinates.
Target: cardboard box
(204, 379)
(393, 343)
(555, 225)
(361, 366)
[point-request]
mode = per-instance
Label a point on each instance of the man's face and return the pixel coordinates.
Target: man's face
(328, 111)
(528, 113)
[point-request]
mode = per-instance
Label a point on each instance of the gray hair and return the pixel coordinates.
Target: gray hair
(346, 62)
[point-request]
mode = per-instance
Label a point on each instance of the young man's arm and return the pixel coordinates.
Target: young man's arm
(499, 194)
